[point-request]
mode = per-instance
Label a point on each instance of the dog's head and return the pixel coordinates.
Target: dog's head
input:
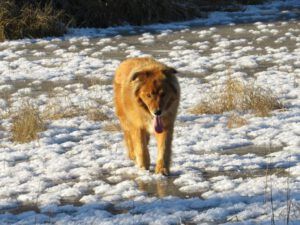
(156, 89)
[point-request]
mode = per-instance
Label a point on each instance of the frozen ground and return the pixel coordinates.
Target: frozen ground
(78, 172)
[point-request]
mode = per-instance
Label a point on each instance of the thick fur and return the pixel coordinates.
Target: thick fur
(141, 86)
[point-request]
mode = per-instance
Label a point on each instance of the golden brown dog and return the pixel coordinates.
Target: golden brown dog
(146, 99)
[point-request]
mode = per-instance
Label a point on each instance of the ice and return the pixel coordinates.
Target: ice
(239, 30)
(109, 48)
(195, 188)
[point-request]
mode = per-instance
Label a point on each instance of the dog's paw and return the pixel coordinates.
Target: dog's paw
(142, 165)
(131, 157)
(162, 170)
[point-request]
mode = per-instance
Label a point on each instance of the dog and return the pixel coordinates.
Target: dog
(146, 98)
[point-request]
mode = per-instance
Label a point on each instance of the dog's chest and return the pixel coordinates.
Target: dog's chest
(151, 127)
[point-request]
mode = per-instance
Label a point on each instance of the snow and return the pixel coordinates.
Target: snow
(77, 172)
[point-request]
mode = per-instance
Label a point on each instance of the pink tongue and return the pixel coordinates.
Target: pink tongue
(158, 125)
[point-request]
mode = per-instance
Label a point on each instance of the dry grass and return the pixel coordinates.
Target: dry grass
(26, 124)
(96, 115)
(235, 121)
(96, 13)
(112, 127)
(91, 81)
(5, 115)
(33, 20)
(236, 95)
(2, 128)
(56, 111)
(40, 18)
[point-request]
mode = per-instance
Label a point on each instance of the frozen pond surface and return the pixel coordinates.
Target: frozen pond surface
(78, 172)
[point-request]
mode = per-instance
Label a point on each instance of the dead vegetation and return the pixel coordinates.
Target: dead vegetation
(28, 121)
(241, 97)
(112, 127)
(55, 111)
(40, 18)
(235, 121)
(94, 13)
(2, 128)
(95, 114)
(26, 124)
(91, 81)
(28, 19)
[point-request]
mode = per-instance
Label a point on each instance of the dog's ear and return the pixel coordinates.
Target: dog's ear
(138, 76)
(172, 80)
(174, 85)
(169, 71)
(134, 76)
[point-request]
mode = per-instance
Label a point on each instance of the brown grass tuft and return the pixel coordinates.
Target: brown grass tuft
(55, 111)
(2, 128)
(91, 81)
(96, 115)
(112, 127)
(39, 18)
(95, 13)
(33, 20)
(236, 95)
(235, 121)
(26, 124)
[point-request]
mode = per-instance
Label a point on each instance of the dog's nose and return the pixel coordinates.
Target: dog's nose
(157, 112)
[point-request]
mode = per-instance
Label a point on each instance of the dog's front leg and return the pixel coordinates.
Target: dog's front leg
(164, 142)
(142, 157)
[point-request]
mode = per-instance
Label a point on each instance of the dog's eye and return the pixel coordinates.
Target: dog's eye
(149, 95)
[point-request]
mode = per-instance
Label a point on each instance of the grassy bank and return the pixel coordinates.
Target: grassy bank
(40, 18)
(105, 13)
(24, 19)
